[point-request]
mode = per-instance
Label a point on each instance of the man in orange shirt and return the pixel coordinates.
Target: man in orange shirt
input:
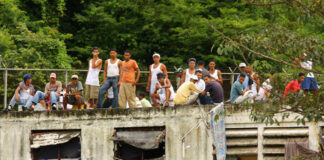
(127, 81)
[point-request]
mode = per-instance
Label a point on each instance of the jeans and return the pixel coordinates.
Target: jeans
(25, 102)
(204, 99)
(110, 82)
(41, 95)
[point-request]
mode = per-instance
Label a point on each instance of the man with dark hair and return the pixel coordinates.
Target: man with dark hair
(143, 100)
(163, 92)
(294, 85)
(111, 76)
(128, 82)
(189, 72)
(214, 88)
(201, 65)
(239, 94)
(24, 93)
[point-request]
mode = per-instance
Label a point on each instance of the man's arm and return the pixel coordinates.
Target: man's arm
(16, 93)
(59, 88)
(220, 78)
(120, 74)
(68, 89)
(149, 80)
(183, 77)
(194, 88)
(168, 84)
(164, 70)
(96, 65)
(138, 75)
(105, 72)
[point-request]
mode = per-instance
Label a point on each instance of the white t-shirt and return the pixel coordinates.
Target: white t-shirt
(308, 65)
(265, 86)
(201, 84)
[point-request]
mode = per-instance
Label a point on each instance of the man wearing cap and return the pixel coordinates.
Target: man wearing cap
(155, 69)
(247, 82)
(184, 94)
(73, 93)
(163, 92)
(189, 72)
(52, 93)
(24, 93)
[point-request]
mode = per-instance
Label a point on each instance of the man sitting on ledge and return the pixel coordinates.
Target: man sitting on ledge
(163, 92)
(185, 94)
(73, 93)
(238, 93)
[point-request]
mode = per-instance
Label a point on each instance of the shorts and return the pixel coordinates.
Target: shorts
(309, 83)
(72, 100)
(92, 92)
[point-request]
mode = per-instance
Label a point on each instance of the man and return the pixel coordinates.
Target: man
(200, 84)
(73, 93)
(215, 89)
(155, 69)
(184, 94)
(163, 92)
(216, 74)
(92, 81)
(188, 73)
(247, 82)
(294, 85)
(310, 83)
(145, 103)
(24, 93)
(111, 78)
(264, 91)
(255, 80)
(52, 93)
(179, 75)
(201, 65)
(128, 82)
(240, 94)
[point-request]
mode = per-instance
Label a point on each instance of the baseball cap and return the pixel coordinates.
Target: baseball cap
(75, 76)
(179, 70)
(156, 54)
(242, 65)
(194, 77)
(53, 75)
(27, 76)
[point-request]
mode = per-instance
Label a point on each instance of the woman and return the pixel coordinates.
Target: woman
(214, 73)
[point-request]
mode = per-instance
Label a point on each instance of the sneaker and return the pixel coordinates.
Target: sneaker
(54, 107)
(9, 108)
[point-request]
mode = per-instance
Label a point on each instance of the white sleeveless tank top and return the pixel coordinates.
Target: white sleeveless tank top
(112, 69)
(154, 72)
(188, 75)
(93, 75)
(215, 74)
(162, 90)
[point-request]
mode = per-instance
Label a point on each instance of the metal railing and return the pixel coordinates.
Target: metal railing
(66, 73)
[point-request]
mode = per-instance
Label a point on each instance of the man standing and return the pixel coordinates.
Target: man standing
(163, 92)
(155, 69)
(52, 92)
(239, 94)
(24, 93)
(294, 85)
(184, 94)
(201, 65)
(188, 73)
(215, 89)
(92, 81)
(73, 93)
(111, 78)
(128, 82)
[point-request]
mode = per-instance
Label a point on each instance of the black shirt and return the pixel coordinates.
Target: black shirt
(216, 91)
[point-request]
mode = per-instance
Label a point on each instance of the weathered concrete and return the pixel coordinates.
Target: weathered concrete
(245, 137)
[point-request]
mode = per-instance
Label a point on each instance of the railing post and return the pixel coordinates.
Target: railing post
(66, 77)
(5, 79)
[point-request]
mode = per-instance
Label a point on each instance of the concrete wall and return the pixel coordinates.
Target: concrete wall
(97, 126)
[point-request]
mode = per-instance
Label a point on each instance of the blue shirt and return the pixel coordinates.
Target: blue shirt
(246, 81)
(236, 91)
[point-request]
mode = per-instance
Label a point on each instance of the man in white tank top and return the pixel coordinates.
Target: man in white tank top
(111, 78)
(155, 69)
(92, 82)
(188, 73)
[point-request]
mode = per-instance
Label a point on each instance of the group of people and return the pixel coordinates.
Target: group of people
(195, 85)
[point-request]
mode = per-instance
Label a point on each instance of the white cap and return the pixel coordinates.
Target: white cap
(75, 76)
(156, 54)
(242, 65)
(194, 77)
